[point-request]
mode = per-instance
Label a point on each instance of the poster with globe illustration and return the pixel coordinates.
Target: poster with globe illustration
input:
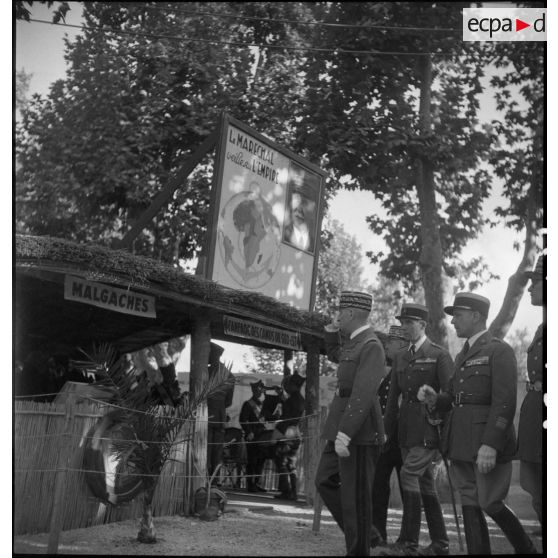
(267, 207)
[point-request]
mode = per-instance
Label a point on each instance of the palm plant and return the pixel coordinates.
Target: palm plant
(151, 429)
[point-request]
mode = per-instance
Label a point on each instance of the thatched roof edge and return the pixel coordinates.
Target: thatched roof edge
(142, 272)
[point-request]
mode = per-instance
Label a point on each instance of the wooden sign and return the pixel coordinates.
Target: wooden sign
(266, 212)
(109, 298)
(272, 335)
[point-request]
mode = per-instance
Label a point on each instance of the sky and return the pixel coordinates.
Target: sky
(39, 50)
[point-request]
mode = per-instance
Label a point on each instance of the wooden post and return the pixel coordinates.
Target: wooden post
(199, 376)
(317, 514)
(312, 407)
(58, 507)
(165, 194)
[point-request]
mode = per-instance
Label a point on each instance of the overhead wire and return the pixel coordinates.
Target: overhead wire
(337, 50)
(161, 8)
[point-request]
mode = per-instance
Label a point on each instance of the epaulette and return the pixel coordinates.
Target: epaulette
(437, 346)
(497, 339)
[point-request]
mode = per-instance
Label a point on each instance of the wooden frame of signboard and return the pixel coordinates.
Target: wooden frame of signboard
(301, 171)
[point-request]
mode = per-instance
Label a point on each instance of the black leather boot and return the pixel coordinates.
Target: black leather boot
(512, 528)
(476, 530)
(407, 543)
(439, 545)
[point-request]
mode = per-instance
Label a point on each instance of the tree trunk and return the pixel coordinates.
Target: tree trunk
(517, 282)
(431, 258)
(146, 533)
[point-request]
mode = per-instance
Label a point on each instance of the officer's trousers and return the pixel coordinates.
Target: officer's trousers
(530, 479)
(417, 470)
(345, 486)
(389, 459)
(479, 489)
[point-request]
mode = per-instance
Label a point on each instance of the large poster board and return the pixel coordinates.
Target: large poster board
(267, 205)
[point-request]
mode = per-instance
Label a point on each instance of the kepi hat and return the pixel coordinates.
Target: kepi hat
(355, 299)
(538, 271)
(469, 301)
(259, 385)
(412, 311)
(397, 332)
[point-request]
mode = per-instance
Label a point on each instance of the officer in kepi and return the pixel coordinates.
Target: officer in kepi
(531, 417)
(420, 362)
(480, 436)
(354, 430)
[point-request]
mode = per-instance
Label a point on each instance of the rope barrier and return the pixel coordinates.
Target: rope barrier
(122, 473)
(158, 415)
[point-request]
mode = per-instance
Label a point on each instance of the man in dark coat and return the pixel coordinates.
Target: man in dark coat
(287, 434)
(480, 434)
(252, 422)
(531, 416)
(421, 362)
(390, 457)
(354, 427)
(217, 404)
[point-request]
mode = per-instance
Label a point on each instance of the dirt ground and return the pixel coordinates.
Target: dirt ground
(251, 526)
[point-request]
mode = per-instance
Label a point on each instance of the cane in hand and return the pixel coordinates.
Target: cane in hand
(437, 422)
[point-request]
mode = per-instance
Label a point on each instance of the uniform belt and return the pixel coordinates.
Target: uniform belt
(534, 386)
(343, 392)
(470, 399)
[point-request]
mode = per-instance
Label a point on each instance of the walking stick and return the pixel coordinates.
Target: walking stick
(437, 422)
(453, 503)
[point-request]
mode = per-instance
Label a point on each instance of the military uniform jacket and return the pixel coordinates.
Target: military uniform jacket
(531, 415)
(487, 373)
(355, 409)
(431, 365)
(293, 409)
(218, 401)
(251, 418)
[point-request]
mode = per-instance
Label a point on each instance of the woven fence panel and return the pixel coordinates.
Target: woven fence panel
(42, 441)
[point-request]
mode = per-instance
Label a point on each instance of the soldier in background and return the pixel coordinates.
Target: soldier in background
(531, 415)
(252, 421)
(390, 457)
(421, 362)
(481, 437)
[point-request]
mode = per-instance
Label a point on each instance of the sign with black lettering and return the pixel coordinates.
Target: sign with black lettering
(109, 298)
(266, 211)
(272, 335)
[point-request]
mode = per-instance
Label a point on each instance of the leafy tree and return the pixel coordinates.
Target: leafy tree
(22, 88)
(95, 152)
(22, 10)
(518, 161)
(406, 128)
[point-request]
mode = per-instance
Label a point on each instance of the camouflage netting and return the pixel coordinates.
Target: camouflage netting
(105, 264)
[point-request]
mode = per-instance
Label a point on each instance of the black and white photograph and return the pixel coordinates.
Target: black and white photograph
(279, 278)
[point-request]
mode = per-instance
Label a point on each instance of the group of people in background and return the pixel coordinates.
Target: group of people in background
(403, 403)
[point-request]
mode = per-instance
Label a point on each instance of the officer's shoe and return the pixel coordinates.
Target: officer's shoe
(434, 549)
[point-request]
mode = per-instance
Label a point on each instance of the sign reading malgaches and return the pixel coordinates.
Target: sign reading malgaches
(267, 205)
(109, 298)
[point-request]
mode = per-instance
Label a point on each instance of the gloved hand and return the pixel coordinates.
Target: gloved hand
(342, 445)
(486, 459)
(427, 395)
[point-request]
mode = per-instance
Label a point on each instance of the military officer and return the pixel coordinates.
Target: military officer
(530, 418)
(390, 457)
(480, 433)
(354, 428)
(421, 362)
